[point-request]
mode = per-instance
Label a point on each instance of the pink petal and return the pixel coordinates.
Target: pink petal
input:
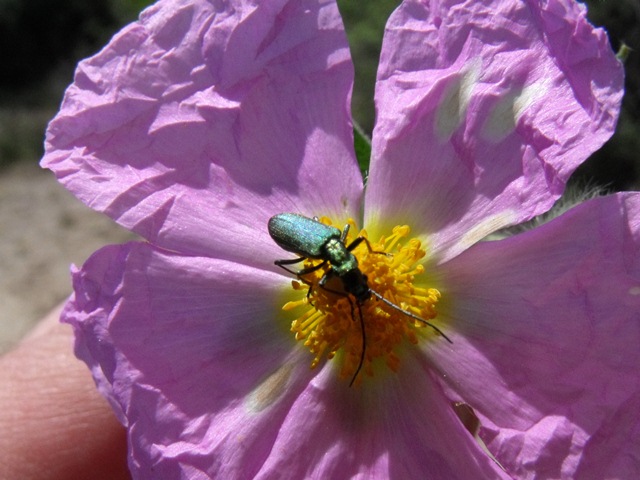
(484, 110)
(400, 427)
(545, 329)
(198, 364)
(203, 119)
(193, 355)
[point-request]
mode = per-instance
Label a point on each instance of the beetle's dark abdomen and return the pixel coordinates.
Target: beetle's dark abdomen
(355, 283)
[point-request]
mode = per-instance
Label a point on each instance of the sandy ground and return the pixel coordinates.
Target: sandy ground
(43, 230)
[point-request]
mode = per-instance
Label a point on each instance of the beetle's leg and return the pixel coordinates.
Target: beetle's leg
(322, 284)
(359, 240)
(300, 273)
(290, 261)
(345, 232)
(304, 271)
(364, 342)
(409, 314)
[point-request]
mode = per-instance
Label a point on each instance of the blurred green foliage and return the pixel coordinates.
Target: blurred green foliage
(364, 22)
(42, 40)
(616, 166)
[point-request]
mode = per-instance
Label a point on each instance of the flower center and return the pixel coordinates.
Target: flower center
(367, 331)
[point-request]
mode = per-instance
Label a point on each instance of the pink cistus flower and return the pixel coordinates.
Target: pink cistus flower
(204, 119)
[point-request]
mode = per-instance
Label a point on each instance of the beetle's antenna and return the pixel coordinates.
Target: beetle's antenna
(409, 314)
(364, 342)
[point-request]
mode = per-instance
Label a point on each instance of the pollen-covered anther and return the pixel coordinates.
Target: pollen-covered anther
(330, 324)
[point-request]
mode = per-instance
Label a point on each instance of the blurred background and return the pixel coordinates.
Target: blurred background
(43, 229)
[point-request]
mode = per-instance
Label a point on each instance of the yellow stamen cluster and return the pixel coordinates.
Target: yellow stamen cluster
(331, 325)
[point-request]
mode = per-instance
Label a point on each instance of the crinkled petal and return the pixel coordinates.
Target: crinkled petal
(192, 354)
(188, 352)
(401, 427)
(545, 328)
(205, 118)
(484, 110)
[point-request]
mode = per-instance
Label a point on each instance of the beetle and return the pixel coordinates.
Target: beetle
(309, 238)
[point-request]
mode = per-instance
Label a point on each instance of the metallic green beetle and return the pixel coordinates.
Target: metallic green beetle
(309, 238)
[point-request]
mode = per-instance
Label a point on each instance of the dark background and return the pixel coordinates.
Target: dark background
(41, 41)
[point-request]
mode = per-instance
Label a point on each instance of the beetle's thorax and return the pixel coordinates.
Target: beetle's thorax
(344, 265)
(341, 259)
